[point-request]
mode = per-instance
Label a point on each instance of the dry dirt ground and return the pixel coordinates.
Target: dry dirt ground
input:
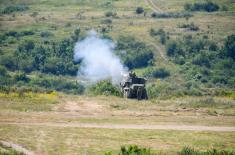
(69, 113)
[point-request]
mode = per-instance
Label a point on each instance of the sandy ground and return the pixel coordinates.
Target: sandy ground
(16, 147)
(126, 126)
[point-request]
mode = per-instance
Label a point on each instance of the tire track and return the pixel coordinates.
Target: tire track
(153, 6)
(16, 147)
(126, 126)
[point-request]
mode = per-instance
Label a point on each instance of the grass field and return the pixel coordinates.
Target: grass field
(58, 132)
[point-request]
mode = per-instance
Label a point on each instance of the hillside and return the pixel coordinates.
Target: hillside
(189, 50)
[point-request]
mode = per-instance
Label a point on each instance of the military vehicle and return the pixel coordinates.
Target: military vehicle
(133, 87)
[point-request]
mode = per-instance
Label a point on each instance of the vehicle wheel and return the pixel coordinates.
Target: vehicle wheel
(145, 95)
(139, 93)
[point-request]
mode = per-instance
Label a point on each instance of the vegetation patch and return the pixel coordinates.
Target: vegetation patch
(104, 87)
(208, 6)
(172, 15)
(134, 54)
(14, 8)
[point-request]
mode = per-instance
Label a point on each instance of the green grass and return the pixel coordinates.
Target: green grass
(52, 140)
(27, 102)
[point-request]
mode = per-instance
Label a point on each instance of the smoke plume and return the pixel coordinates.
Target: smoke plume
(98, 61)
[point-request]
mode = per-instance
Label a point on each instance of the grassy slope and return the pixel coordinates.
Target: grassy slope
(54, 15)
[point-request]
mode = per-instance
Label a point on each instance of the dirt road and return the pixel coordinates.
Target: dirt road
(125, 126)
(16, 147)
(153, 6)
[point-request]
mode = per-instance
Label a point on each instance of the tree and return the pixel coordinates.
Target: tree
(139, 10)
(229, 46)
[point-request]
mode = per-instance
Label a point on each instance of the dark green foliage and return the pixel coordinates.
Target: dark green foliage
(46, 34)
(202, 60)
(208, 6)
(174, 48)
(133, 53)
(139, 10)
(161, 33)
(171, 15)
(191, 151)
(58, 83)
(157, 73)
(14, 8)
(9, 61)
(133, 150)
(229, 47)
(54, 57)
(209, 63)
(160, 73)
(107, 21)
(20, 76)
(110, 14)
(191, 27)
(104, 87)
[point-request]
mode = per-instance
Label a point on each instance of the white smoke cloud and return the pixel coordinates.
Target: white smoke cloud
(98, 59)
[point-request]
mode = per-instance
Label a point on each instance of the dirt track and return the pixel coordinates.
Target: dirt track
(16, 147)
(153, 6)
(126, 126)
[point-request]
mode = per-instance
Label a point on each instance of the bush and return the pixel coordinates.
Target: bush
(20, 76)
(229, 47)
(208, 6)
(133, 150)
(157, 73)
(107, 21)
(110, 14)
(191, 151)
(59, 84)
(139, 10)
(104, 87)
(46, 34)
(201, 60)
(190, 26)
(133, 53)
(14, 8)
(173, 48)
(171, 15)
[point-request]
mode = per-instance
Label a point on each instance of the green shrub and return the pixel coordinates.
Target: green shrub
(106, 21)
(191, 151)
(174, 48)
(58, 83)
(191, 27)
(110, 14)
(104, 87)
(229, 46)
(134, 54)
(14, 8)
(157, 73)
(139, 10)
(133, 150)
(46, 34)
(171, 15)
(208, 6)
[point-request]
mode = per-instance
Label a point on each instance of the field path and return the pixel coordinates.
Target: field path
(125, 126)
(160, 50)
(16, 147)
(153, 6)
